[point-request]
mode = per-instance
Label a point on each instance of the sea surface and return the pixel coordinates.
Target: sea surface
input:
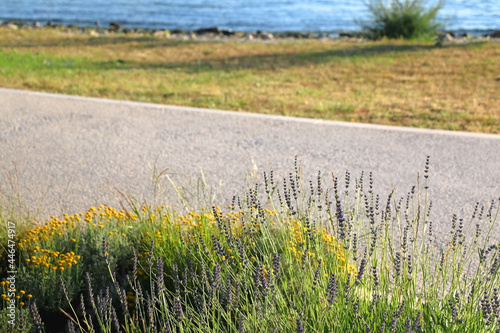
(471, 16)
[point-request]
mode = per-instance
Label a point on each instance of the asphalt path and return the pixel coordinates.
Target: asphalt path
(63, 154)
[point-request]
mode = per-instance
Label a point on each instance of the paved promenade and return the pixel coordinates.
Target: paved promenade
(64, 153)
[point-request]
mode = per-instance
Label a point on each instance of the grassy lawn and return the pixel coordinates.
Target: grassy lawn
(416, 84)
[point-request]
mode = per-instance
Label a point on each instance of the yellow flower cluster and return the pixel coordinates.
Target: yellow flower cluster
(52, 260)
(20, 295)
(335, 247)
(107, 213)
(296, 233)
(54, 227)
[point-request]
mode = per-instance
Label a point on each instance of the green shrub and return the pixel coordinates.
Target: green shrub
(402, 19)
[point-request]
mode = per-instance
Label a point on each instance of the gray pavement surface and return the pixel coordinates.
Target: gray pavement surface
(64, 154)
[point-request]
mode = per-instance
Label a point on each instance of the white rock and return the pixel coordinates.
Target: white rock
(267, 35)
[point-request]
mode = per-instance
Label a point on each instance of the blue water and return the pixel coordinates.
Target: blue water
(238, 15)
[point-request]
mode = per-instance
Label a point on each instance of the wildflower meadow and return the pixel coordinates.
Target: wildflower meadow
(288, 255)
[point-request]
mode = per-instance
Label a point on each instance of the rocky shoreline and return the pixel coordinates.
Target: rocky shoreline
(215, 33)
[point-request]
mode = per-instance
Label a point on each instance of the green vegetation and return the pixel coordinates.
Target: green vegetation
(323, 256)
(408, 19)
(394, 82)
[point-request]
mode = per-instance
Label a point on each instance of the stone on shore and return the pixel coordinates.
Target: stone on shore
(113, 26)
(266, 36)
(12, 26)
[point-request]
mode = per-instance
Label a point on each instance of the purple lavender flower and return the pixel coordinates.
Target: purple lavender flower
(300, 326)
(216, 277)
(159, 275)
(35, 315)
(90, 290)
(332, 288)
(316, 274)
(304, 258)
(228, 295)
(277, 264)
(179, 315)
(151, 317)
(361, 271)
(70, 327)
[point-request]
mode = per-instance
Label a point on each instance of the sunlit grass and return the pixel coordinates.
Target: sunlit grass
(386, 82)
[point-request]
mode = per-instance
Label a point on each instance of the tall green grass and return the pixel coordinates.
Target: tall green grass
(327, 255)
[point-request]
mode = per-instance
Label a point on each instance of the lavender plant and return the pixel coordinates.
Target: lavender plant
(328, 257)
